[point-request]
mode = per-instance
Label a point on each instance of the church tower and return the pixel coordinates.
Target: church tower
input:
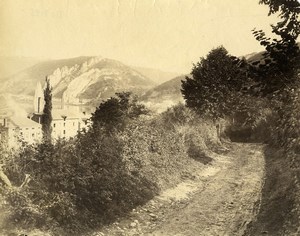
(38, 102)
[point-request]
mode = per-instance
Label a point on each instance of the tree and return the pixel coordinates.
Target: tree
(114, 113)
(215, 82)
(278, 73)
(47, 113)
(277, 69)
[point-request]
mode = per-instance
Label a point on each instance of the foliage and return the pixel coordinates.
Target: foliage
(47, 113)
(114, 113)
(80, 184)
(215, 84)
(253, 121)
(282, 56)
(197, 153)
(5, 152)
(287, 130)
(76, 185)
(123, 159)
(162, 148)
(24, 211)
(280, 197)
(178, 115)
(279, 75)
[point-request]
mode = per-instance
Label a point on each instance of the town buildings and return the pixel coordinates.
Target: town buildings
(66, 121)
(16, 127)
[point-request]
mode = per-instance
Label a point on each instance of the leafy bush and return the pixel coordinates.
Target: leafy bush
(198, 154)
(25, 213)
(114, 113)
(252, 121)
(76, 185)
(83, 183)
(160, 148)
(178, 115)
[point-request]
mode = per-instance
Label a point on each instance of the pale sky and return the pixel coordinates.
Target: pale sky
(164, 34)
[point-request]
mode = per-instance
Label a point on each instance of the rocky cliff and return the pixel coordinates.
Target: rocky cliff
(80, 80)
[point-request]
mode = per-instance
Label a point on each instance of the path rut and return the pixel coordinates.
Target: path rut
(221, 200)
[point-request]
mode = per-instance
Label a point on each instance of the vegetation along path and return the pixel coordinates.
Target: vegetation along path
(221, 200)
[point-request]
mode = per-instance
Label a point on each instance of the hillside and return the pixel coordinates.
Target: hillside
(258, 58)
(79, 80)
(25, 81)
(157, 76)
(168, 93)
(9, 107)
(164, 95)
(12, 65)
(88, 80)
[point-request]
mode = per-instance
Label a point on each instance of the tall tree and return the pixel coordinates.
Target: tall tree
(114, 113)
(215, 82)
(281, 57)
(279, 73)
(47, 113)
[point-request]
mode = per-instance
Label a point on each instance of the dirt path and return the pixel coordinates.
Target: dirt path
(221, 200)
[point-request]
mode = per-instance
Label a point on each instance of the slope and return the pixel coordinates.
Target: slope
(25, 81)
(12, 65)
(164, 95)
(157, 76)
(79, 80)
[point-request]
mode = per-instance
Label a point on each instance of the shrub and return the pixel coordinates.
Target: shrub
(161, 148)
(198, 154)
(76, 185)
(114, 113)
(178, 115)
(93, 179)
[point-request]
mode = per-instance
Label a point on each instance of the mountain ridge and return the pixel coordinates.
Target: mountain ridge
(96, 78)
(156, 75)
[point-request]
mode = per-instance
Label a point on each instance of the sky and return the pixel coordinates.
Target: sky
(169, 35)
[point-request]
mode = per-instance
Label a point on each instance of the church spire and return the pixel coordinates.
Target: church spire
(38, 103)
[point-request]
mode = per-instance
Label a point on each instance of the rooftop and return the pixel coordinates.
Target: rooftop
(22, 122)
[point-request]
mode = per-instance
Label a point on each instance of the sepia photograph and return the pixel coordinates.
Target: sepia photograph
(149, 117)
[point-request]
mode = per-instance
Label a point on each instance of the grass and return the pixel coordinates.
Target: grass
(276, 214)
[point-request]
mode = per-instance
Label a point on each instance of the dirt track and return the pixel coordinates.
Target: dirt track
(221, 200)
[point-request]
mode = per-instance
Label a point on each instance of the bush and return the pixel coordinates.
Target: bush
(197, 153)
(161, 148)
(76, 185)
(178, 115)
(24, 213)
(114, 113)
(97, 177)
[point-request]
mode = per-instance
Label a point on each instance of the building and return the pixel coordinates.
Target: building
(16, 125)
(66, 122)
(15, 129)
